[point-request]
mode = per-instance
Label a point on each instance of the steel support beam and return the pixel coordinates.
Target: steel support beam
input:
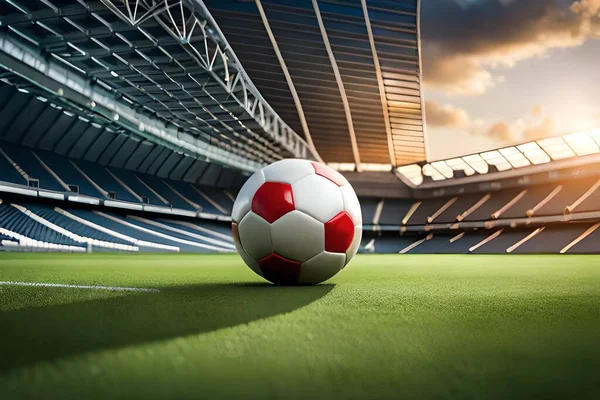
(66, 84)
(288, 79)
(340, 83)
(384, 105)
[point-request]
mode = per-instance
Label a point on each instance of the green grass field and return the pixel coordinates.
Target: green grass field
(387, 327)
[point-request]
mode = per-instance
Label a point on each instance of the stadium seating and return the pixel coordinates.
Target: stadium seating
(50, 215)
(23, 228)
(557, 217)
(560, 238)
(75, 229)
(8, 172)
(130, 179)
(103, 179)
(148, 233)
(577, 195)
(59, 174)
(35, 169)
(35, 226)
(67, 173)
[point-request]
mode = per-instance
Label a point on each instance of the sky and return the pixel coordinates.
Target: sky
(502, 72)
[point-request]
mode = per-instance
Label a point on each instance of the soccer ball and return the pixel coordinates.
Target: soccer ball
(297, 222)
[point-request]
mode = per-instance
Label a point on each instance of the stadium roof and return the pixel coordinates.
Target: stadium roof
(354, 66)
(172, 75)
(163, 63)
(573, 148)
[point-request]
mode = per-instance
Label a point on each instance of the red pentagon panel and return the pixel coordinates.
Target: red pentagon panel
(273, 200)
(339, 232)
(280, 270)
(329, 173)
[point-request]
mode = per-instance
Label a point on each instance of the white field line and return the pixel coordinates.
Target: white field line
(64, 285)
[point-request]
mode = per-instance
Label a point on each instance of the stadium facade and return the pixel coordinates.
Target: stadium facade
(130, 126)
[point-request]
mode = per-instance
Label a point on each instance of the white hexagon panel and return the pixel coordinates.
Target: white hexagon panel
(287, 231)
(318, 197)
(297, 222)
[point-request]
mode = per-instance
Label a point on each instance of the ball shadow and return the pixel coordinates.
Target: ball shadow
(45, 333)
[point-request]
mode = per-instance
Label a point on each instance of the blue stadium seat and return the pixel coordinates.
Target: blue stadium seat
(553, 238)
(64, 169)
(433, 245)
(186, 190)
(16, 221)
(171, 233)
(26, 160)
(131, 180)
(463, 244)
(368, 206)
(216, 230)
(219, 196)
(8, 173)
(103, 179)
(394, 210)
(71, 225)
(159, 186)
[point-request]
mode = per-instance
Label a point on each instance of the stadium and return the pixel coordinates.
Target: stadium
(128, 129)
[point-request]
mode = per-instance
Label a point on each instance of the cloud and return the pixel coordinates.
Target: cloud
(501, 132)
(464, 41)
(545, 129)
(536, 111)
(590, 8)
(532, 126)
(446, 116)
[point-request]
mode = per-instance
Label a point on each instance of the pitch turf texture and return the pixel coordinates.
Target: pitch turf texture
(387, 327)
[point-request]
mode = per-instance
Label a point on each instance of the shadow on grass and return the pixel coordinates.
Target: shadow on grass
(45, 333)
